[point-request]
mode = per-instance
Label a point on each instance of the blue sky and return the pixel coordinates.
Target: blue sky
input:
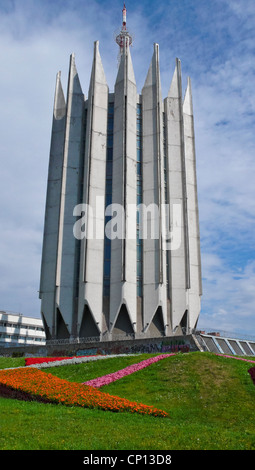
(215, 41)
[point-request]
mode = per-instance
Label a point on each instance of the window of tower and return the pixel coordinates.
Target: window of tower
(108, 197)
(139, 242)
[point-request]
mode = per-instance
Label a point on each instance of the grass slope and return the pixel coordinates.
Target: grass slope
(210, 400)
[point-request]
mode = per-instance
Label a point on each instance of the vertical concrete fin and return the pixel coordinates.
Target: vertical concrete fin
(174, 88)
(131, 73)
(149, 78)
(125, 70)
(122, 66)
(154, 254)
(97, 72)
(178, 266)
(52, 209)
(59, 102)
(123, 250)
(153, 75)
(195, 290)
(92, 246)
(120, 73)
(74, 81)
(187, 103)
(184, 178)
(68, 249)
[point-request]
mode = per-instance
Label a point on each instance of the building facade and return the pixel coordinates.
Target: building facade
(121, 248)
(19, 330)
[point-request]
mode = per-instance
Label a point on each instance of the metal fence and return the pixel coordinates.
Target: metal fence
(225, 334)
(103, 337)
(133, 336)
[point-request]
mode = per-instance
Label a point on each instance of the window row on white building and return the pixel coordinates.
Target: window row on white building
(17, 329)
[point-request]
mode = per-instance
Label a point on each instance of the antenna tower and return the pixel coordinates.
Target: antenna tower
(123, 35)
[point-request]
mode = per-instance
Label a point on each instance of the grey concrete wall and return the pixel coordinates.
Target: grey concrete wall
(149, 345)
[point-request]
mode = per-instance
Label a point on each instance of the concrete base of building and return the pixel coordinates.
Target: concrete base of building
(183, 343)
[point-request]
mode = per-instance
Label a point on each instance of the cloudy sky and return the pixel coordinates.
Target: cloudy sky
(215, 41)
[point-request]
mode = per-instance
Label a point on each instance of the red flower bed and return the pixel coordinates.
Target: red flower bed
(29, 361)
(35, 384)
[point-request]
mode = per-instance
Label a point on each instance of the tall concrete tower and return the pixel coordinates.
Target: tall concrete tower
(121, 247)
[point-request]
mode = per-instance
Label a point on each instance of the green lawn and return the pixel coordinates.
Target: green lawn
(210, 400)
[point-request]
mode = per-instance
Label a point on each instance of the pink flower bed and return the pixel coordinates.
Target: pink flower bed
(233, 357)
(106, 379)
(251, 370)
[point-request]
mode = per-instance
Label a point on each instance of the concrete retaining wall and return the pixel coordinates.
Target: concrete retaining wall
(148, 345)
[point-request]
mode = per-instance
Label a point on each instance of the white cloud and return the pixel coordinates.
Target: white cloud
(229, 295)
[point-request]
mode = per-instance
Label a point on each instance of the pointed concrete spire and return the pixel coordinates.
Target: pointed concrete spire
(153, 75)
(131, 73)
(126, 69)
(74, 85)
(59, 102)
(187, 104)
(174, 90)
(121, 69)
(97, 72)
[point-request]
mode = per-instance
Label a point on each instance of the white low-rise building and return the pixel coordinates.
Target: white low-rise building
(17, 329)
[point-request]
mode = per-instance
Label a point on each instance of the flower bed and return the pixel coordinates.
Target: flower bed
(233, 357)
(29, 361)
(59, 361)
(31, 383)
(106, 379)
(251, 371)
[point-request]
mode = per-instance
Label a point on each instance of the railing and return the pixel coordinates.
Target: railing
(101, 338)
(134, 336)
(111, 337)
(224, 334)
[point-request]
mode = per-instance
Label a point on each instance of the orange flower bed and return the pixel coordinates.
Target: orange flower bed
(36, 384)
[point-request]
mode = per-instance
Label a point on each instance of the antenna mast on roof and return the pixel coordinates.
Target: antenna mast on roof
(123, 34)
